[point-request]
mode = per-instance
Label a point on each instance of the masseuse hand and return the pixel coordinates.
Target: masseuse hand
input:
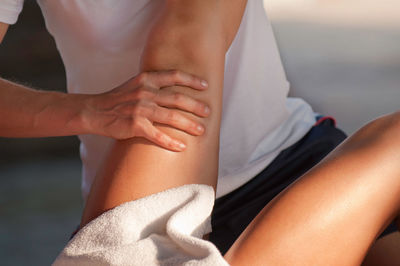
(130, 109)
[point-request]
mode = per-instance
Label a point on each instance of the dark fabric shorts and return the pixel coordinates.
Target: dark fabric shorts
(234, 211)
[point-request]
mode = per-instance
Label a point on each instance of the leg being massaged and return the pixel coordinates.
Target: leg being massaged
(202, 35)
(331, 216)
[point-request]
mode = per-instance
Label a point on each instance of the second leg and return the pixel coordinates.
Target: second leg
(333, 214)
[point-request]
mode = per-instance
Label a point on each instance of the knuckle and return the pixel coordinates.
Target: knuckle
(141, 93)
(176, 74)
(136, 124)
(142, 78)
(136, 109)
(151, 105)
(152, 108)
(171, 116)
(179, 98)
(136, 127)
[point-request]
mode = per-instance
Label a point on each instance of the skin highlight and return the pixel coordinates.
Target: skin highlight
(124, 112)
(178, 40)
(327, 212)
(259, 225)
(335, 212)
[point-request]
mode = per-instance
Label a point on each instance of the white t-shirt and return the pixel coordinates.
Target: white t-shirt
(100, 42)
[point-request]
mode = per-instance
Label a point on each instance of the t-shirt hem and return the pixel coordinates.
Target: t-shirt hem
(9, 16)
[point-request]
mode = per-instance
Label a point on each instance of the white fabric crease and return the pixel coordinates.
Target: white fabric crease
(161, 229)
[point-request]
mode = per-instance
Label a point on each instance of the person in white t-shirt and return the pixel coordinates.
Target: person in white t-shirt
(262, 131)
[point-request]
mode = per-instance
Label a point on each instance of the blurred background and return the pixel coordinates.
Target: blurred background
(341, 56)
(40, 200)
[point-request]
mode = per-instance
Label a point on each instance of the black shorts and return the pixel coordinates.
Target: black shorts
(234, 211)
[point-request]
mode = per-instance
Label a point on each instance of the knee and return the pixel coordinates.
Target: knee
(387, 125)
(383, 129)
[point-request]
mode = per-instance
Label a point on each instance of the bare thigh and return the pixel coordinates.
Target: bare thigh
(333, 214)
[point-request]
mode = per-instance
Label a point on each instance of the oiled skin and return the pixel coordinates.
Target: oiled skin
(333, 214)
(329, 217)
(192, 36)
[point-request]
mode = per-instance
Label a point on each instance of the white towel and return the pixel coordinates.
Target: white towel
(161, 229)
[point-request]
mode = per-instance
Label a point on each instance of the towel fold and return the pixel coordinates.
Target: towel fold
(161, 229)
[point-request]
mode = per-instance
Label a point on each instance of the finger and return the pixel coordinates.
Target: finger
(177, 120)
(176, 77)
(182, 102)
(153, 134)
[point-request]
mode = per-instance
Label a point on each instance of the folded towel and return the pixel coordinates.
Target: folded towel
(161, 229)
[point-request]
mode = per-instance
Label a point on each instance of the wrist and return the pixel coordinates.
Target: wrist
(56, 114)
(76, 113)
(85, 114)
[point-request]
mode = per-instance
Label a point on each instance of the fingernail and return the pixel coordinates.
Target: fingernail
(181, 145)
(200, 128)
(207, 110)
(204, 83)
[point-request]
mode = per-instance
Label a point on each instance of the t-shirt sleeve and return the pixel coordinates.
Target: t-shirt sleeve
(9, 10)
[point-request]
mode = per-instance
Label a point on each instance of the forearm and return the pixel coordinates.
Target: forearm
(192, 40)
(31, 113)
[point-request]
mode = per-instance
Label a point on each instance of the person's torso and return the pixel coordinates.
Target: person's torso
(101, 41)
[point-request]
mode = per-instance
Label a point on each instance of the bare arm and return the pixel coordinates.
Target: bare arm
(30, 113)
(26, 112)
(192, 36)
(126, 111)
